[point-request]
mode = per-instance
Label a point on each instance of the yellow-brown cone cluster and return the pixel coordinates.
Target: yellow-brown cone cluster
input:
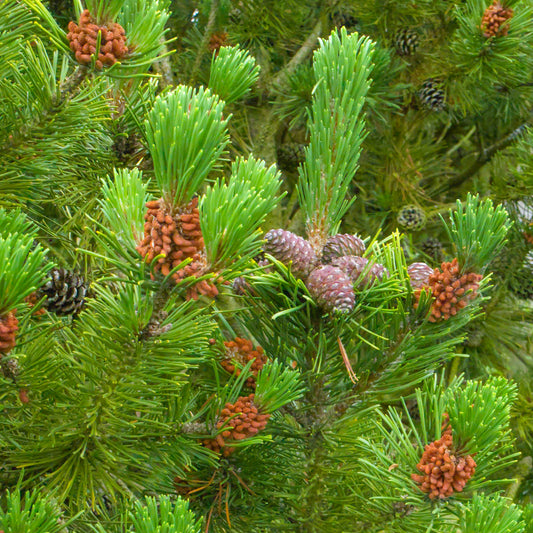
(443, 472)
(83, 39)
(177, 236)
(247, 421)
(32, 300)
(493, 23)
(8, 332)
(242, 351)
(451, 290)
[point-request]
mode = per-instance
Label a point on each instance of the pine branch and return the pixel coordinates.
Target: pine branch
(281, 79)
(485, 156)
(205, 40)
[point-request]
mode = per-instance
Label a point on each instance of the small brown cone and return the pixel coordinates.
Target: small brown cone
(240, 352)
(83, 39)
(290, 249)
(342, 244)
(247, 421)
(443, 472)
(495, 20)
(332, 289)
(451, 290)
(8, 332)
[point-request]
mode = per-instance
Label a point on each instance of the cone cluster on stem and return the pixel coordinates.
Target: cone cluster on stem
(329, 273)
(450, 289)
(83, 39)
(239, 352)
(246, 421)
(442, 471)
(176, 236)
(495, 20)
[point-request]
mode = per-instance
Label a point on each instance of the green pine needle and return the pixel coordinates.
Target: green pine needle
(164, 516)
(477, 230)
(277, 386)
(233, 72)
(230, 215)
(32, 513)
(186, 134)
(23, 267)
(495, 514)
(342, 68)
(122, 205)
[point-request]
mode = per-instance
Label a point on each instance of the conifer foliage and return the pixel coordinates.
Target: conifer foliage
(179, 351)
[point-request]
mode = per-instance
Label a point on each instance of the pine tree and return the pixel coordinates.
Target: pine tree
(191, 340)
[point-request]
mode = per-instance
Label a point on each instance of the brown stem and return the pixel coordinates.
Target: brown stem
(485, 156)
(281, 79)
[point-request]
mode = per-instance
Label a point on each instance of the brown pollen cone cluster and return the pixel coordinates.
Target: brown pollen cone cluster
(177, 236)
(451, 290)
(8, 332)
(242, 351)
(494, 19)
(443, 472)
(217, 41)
(247, 422)
(32, 300)
(83, 39)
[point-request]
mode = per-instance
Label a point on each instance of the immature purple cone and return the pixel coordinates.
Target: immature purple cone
(331, 288)
(288, 248)
(354, 266)
(419, 274)
(342, 244)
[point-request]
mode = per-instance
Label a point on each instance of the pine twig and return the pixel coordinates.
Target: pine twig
(205, 39)
(70, 84)
(301, 55)
(486, 155)
(163, 67)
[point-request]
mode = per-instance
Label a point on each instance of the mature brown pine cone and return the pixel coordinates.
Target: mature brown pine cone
(239, 352)
(442, 471)
(290, 249)
(290, 155)
(406, 42)
(354, 267)
(451, 290)
(331, 288)
(65, 292)
(433, 248)
(342, 244)
(247, 421)
(83, 39)
(494, 21)
(419, 274)
(8, 331)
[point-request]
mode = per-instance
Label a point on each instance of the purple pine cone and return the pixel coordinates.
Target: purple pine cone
(332, 289)
(342, 244)
(289, 248)
(419, 274)
(354, 267)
